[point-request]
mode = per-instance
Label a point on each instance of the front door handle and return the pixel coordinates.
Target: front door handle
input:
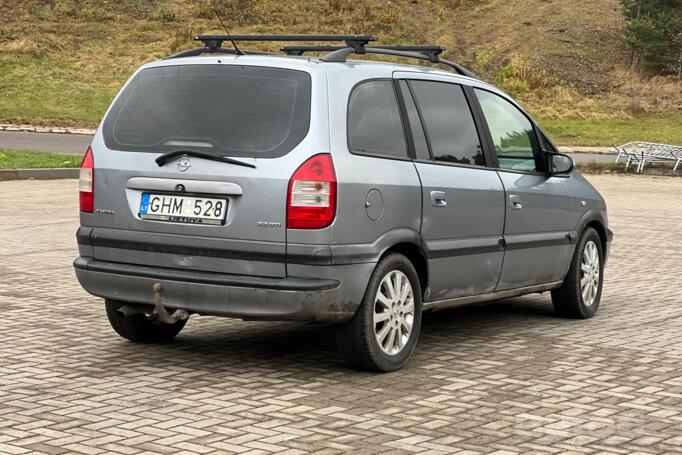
(515, 202)
(438, 199)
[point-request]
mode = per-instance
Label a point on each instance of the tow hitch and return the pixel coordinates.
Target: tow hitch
(159, 313)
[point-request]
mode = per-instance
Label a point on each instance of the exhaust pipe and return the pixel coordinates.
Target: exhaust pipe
(132, 309)
(158, 311)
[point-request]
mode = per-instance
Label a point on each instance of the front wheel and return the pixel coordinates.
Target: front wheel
(383, 332)
(580, 294)
(140, 328)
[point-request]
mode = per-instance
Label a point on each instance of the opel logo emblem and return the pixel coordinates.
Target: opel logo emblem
(184, 164)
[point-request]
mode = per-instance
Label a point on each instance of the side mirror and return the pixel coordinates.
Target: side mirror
(560, 163)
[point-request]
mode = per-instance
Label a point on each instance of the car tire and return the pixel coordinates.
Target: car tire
(140, 328)
(383, 332)
(580, 294)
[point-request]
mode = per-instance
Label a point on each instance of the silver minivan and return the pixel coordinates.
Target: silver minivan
(322, 189)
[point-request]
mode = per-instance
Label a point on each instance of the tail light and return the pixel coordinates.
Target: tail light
(86, 183)
(311, 200)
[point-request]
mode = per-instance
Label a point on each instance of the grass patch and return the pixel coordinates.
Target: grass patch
(606, 132)
(39, 89)
(20, 159)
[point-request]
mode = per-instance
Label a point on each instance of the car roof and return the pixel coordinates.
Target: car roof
(360, 69)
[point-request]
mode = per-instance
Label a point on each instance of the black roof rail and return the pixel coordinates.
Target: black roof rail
(424, 49)
(431, 55)
(215, 50)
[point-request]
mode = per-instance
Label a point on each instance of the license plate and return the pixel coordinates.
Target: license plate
(182, 209)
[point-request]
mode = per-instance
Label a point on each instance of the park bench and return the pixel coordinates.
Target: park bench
(641, 153)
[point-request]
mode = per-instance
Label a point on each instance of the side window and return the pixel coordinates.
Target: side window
(513, 134)
(448, 122)
(421, 147)
(374, 124)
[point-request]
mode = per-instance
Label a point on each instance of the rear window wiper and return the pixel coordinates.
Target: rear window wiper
(166, 157)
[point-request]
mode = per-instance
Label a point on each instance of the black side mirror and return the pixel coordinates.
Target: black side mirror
(560, 163)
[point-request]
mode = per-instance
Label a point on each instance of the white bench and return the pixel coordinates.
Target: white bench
(649, 152)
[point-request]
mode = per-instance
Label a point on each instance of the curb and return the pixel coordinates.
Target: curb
(586, 149)
(38, 174)
(45, 129)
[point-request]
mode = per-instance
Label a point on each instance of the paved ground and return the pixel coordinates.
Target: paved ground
(506, 378)
(78, 143)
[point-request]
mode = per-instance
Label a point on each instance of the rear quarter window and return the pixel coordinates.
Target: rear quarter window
(231, 110)
(374, 123)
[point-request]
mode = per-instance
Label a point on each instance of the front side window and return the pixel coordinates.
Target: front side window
(233, 110)
(448, 122)
(513, 134)
(374, 124)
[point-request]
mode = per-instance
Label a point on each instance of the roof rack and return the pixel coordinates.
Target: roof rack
(354, 44)
(213, 44)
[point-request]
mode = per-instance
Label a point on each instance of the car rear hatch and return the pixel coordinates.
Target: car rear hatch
(227, 138)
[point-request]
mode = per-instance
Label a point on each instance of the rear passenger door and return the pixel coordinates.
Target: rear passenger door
(537, 224)
(462, 199)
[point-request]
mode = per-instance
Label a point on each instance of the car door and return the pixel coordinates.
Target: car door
(537, 222)
(462, 199)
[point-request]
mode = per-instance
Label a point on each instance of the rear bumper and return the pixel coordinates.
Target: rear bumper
(327, 294)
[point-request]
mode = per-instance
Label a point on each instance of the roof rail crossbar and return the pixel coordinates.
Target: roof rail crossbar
(429, 53)
(354, 41)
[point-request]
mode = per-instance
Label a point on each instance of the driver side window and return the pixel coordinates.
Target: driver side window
(513, 134)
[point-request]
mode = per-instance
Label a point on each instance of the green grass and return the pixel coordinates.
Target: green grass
(38, 89)
(21, 159)
(606, 132)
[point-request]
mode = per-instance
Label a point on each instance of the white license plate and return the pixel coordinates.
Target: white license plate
(182, 209)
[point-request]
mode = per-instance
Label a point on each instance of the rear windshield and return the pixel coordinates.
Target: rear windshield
(227, 109)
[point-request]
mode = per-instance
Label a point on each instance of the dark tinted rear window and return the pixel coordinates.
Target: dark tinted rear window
(374, 124)
(232, 110)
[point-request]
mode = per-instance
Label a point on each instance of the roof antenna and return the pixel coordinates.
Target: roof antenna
(239, 51)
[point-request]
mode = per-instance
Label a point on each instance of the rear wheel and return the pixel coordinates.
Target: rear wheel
(140, 328)
(383, 333)
(580, 294)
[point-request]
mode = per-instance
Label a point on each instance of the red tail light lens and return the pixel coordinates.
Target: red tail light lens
(86, 183)
(311, 200)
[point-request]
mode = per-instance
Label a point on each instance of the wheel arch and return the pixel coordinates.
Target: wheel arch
(595, 219)
(415, 254)
(601, 230)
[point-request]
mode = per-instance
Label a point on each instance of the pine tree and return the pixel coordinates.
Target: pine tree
(654, 34)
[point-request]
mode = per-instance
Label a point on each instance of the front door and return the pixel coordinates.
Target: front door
(538, 221)
(462, 200)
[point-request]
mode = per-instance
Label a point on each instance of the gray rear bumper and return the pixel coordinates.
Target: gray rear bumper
(331, 294)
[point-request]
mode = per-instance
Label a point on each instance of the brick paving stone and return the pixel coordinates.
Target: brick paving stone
(505, 378)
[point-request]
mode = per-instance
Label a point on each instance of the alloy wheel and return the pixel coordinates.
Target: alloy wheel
(393, 312)
(589, 273)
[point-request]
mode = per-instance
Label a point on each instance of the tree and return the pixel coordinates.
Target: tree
(654, 34)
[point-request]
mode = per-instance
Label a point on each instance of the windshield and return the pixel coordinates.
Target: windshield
(227, 109)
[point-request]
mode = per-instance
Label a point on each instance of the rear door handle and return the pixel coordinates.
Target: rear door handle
(515, 202)
(438, 199)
